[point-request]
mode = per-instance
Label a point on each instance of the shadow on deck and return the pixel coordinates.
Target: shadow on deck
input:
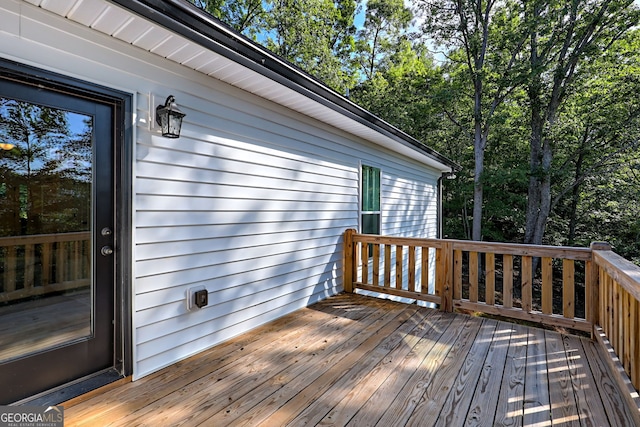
(355, 360)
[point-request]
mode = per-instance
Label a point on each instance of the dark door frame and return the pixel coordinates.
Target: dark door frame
(123, 165)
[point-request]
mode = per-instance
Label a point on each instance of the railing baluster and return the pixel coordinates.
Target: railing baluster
(626, 331)
(473, 276)
(604, 292)
(87, 258)
(610, 310)
(526, 283)
(615, 313)
(634, 336)
(46, 263)
(507, 281)
(376, 265)
(591, 293)
(60, 262)
(411, 285)
(399, 266)
(606, 302)
(77, 261)
(444, 275)
(29, 266)
(387, 266)
(568, 288)
(365, 263)
(424, 279)
(457, 274)
(10, 269)
(490, 278)
(619, 319)
(547, 285)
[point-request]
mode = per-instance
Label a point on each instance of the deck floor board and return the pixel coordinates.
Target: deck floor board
(354, 360)
(537, 409)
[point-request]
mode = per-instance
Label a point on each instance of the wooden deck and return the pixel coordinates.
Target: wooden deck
(358, 361)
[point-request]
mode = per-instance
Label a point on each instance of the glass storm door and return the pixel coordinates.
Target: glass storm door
(56, 221)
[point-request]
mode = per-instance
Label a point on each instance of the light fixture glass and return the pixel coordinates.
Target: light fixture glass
(169, 117)
(6, 146)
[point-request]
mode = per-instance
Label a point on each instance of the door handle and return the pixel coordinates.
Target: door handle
(106, 250)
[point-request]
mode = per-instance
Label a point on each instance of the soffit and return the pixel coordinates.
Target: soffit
(138, 31)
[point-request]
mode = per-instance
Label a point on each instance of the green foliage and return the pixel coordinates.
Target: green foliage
(45, 177)
(582, 84)
(316, 35)
(382, 36)
(245, 16)
(598, 146)
(401, 92)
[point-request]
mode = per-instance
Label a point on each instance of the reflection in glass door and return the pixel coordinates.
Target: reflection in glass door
(56, 196)
(45, 219)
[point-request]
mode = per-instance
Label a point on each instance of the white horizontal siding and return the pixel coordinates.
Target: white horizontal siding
(409, 204)
(251, 202)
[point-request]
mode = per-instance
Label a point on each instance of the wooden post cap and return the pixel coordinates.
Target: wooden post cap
(600, 246)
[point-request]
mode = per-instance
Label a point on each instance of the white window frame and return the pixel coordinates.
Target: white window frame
(361, 211)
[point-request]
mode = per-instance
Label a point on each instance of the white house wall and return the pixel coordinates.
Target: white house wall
(250, 202)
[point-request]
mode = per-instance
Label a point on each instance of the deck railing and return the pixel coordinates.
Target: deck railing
(40, 264)
(618, 326)
(586, 289)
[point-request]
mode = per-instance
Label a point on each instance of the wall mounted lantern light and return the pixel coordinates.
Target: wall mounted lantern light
(169, 117)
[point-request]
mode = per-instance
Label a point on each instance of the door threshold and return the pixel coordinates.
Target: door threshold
(73, 389)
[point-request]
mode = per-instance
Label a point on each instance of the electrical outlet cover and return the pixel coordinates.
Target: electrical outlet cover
(201, 298)
(191, 297)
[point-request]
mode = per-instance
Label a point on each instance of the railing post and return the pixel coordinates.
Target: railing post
(592, 285)
(444, 275)
(347, 260)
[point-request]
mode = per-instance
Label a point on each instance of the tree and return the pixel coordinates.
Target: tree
(315, 35)
(382, 35)
(485, 41)
(598, 144)
(563, 38)
(400, 92)
(245, 16)
(47, 174)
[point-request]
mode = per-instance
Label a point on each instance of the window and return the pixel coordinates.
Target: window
(370, 203)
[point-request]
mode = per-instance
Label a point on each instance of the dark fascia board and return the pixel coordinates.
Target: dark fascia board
(200, 27)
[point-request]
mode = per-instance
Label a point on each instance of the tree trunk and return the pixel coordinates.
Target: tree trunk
(575, 192)
(544, 187)
(479, 145)
(478, 149)
(535, 157)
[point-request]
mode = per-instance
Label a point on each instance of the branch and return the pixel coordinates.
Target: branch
(457, 123)
(596, 166)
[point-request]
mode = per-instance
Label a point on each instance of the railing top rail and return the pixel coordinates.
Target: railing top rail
(564, 252)
(621, 270)
(44, 238)
(404, 241)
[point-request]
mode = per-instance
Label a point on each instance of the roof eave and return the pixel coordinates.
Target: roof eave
(194, 24)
